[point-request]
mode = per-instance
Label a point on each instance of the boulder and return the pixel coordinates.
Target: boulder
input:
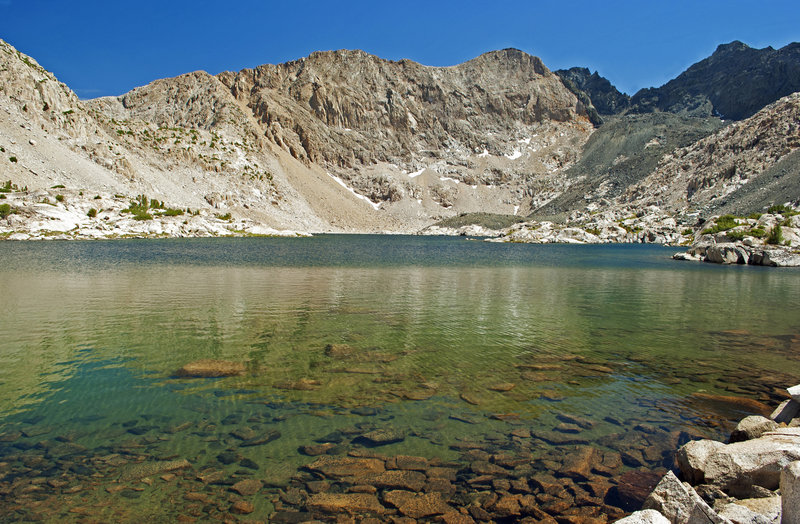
(680, 504)
(787, 410)
(794, 391)
(647, 516)
(777, 257)
(739, 467)
(790, 493)
(726, 253)
(692, 458)
(209, 368)
(753, 511)
(752, 427)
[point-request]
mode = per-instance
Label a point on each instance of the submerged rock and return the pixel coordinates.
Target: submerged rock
(209, 368)
(417, 505)
(149, 469)
(380, 437)
(345, 503)
(338, 467)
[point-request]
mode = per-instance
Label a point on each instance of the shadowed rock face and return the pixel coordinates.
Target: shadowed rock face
(348, 108)
(605, 98)
(734, 83)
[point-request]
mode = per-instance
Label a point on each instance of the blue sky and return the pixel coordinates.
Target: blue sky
(108, 47)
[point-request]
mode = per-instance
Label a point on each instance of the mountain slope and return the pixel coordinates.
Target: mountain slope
(714, 171)
(734, 82)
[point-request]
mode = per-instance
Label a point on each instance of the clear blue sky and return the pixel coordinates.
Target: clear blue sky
(108, 47)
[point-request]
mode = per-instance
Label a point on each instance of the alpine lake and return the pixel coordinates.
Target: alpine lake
(391, 377)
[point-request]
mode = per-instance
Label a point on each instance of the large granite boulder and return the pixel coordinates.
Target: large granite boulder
(692, 459)
(752, 427)
(646, 516)
(739, 467)
(790, 493)
(680, 504)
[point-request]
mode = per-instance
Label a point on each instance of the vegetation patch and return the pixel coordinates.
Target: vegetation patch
(5, 210)
(775, 236)
(780, 209)
(723, 223)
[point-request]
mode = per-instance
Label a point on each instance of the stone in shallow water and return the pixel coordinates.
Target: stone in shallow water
(249, 464)
(209, 368)
(502, 387)
(227, 457)
(572, 419)
(314, 450)
(242, 507)
(244, 433)
(469, 398)
(338, 467)
(568, 428)
(408, 463)
(247, 487)
(353, 503)
(264, 437)
(395, 479)
(419, 394)
(733, 404)
(417, 505)
(149, 469)
(380, 437)
(10, 436)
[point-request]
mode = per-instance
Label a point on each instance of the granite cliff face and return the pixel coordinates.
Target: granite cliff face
(350, 112)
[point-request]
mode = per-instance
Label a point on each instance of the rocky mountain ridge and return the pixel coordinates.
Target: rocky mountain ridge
(346, 141)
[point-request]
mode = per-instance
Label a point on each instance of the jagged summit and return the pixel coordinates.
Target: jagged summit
(734, 83)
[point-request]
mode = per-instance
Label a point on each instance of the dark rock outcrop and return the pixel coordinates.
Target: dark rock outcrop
(735, 82)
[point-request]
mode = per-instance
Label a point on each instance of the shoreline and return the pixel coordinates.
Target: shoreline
(753, 478)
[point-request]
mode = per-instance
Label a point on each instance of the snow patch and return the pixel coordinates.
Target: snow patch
(447, 178)
(361, 197)
(516, 208)
(484, 154)
(515, 155)
(415, 174)
(525, 141)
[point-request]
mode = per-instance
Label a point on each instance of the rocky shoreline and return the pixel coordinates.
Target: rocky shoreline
(768, 239)
(69, 214)
(752, 479)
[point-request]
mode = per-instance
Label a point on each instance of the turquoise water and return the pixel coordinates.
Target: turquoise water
(91, 334)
